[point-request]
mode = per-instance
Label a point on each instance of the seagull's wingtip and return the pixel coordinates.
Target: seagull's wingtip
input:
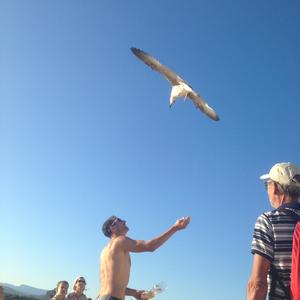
(135, 50)
(214, 117)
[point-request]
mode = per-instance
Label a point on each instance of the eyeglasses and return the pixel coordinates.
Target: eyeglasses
(115, 221)
(267, 184)
(82, 281)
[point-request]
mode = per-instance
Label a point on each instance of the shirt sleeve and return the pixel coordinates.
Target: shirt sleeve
(263, 238)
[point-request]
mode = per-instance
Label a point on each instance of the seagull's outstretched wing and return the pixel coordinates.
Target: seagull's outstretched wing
(157, 66)
(203, 106)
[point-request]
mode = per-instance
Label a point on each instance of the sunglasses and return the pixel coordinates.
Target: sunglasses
(82, 281)
(115, 221)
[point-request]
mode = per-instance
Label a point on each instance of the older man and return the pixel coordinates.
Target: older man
(115, 259)
(273, 235)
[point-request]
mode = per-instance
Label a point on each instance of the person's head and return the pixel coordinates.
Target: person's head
(282, 183)
(79, 285)
(62, 288)
(114, 226)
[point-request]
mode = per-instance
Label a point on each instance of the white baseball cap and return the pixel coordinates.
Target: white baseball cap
(284, 173)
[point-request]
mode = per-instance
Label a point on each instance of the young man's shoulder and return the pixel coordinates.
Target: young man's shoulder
(121, 241)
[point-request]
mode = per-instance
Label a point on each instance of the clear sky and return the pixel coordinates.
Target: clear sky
(87, 132)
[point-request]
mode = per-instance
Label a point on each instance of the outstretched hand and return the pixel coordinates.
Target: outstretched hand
(182, 223)
(139, 294)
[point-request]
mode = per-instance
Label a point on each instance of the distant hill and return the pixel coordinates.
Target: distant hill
(26, 292)
(9, 290)
(25, 289)
(16, 297)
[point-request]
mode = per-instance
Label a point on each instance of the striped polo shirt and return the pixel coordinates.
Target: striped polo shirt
(272, 239)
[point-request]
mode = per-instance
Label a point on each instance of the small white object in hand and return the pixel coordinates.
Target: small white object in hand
(157, 288)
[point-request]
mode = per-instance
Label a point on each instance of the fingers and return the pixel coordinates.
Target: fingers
(183, 222)
(187, 219)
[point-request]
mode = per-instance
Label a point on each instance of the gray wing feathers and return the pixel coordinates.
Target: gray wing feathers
(203, 106)
(157, 66)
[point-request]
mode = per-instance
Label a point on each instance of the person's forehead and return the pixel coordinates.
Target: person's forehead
(64, 284)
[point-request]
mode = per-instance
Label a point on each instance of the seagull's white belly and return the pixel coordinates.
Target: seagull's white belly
(180, 90)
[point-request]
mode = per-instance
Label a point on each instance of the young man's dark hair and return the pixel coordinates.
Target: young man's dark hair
(107, 224)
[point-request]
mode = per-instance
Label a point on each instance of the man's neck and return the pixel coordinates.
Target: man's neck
(115, 235)
(287, 200)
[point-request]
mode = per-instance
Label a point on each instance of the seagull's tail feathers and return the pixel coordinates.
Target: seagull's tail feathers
(172, 101)
(171, 104)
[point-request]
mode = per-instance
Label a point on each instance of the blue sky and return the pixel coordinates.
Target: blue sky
(87, 132)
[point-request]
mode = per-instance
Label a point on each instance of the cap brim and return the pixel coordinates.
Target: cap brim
(265, 177)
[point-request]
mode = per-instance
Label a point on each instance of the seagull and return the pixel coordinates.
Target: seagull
(180, 88)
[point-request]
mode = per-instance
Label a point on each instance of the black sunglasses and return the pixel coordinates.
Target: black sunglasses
(115, 221)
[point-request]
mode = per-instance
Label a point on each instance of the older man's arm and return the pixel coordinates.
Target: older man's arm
(258, 285)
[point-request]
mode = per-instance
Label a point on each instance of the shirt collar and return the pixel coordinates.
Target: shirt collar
(291, 205)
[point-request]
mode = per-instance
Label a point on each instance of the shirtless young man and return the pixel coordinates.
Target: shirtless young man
(115, 258)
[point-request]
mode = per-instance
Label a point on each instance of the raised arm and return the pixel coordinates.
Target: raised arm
(151, 245)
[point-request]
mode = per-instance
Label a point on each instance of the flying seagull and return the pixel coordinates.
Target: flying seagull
(180, 88)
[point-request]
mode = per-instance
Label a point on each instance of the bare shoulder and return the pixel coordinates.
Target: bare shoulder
(122, 240)
(124, 243)
(119, 242)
